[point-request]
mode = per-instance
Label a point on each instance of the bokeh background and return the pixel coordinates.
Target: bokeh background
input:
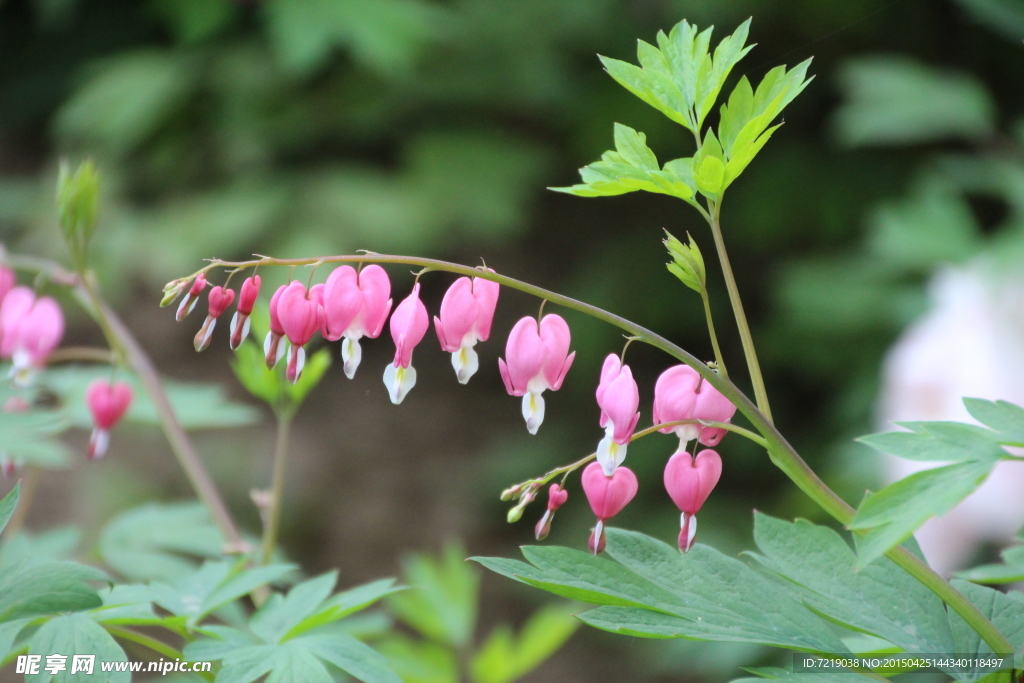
(307, 127)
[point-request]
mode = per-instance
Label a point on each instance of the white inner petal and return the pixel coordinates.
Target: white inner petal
(466, 363)
(610, 454)
(533, 411)
(399, 381)
(351, 355)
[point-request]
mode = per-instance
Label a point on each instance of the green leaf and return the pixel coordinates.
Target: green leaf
(55, 544)
(442, 604)
(316, 365)
(688, 263)
(710, 176)
(503, 657)
(160, 541)
(895, 512)
(345, 603)
(705, 594)
(33, 589)
(76, 634)
(9, 631)
(280, 615)
(29, 438)
(938, 442)
(351, 656)
(1004, 417)
(8, 505)
(933, 225)
(1004, 610)
(786, 676)
(895, 100)
(213, 586)
(420, 661)
(250, 367)
(881, 599)
(631, 167)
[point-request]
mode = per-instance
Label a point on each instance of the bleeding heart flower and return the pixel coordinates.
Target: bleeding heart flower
(619, 398)
(689, 483)
(219, 300)
(189, 302)
(556, 499)
(467, 311)
(30, 329)
(682, 394)
(355, 306)
(247, 295)
(408, 325)
(607, 496)
(538, 359)
(108, 403)
(273, 349)
(299, 313)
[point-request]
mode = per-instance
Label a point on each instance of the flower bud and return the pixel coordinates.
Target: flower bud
(189, 302)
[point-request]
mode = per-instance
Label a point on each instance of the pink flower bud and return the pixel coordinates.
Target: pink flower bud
(618, 398)
(538, 359)
(557, 497)
(355, 306)
(108, 403)
(189, 302)
(681, 394)
(247, 296)
(408, 325)
(219, 299)
(689, 483)
(299, 315)
(467, 311)
(273, 349)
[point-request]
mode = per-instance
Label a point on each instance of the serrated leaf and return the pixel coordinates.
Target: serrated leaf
(938, 442)
(345, 603)
(277, 617)
(895, 512)
(442, 600)
(881, 599)
(896, 100)
(722, 591)
(76, 634)
(1004, 610)
(710, 176)
(713, 596)
(351, 656)
(1002, 416)
(160, 541)
(505, 657)
(420, 661)
(213, 586)
(32, 589)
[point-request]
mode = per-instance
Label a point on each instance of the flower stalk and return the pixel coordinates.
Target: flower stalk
(780, 450)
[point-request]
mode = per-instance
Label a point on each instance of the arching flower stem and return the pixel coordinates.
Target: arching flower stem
(781, 452)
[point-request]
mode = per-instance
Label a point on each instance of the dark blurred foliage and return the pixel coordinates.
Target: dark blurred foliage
(301, 127)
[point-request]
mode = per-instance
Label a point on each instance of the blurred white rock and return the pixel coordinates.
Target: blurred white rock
(969, 343)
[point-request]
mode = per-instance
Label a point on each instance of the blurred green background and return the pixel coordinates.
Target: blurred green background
(306, 127)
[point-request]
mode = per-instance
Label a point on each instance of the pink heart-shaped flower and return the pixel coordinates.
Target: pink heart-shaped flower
(557, 497)
(689, 482)
(608, 495)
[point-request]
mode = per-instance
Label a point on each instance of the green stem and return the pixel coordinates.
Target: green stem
(760, 393)
(127, 348)
(780, 450)
(714, 337)
(272, 524)
(572, 467)
(153, 644)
